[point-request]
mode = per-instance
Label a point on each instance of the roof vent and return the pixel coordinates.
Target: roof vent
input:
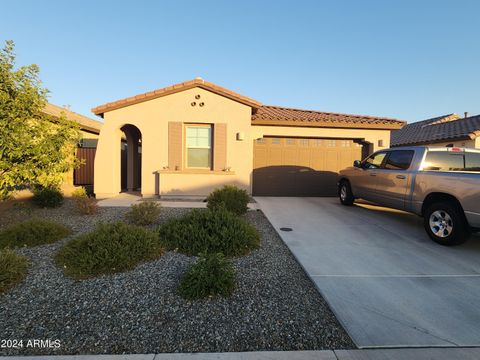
(466, 114)
(199, 78)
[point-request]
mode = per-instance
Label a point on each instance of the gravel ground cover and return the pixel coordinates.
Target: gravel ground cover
(275, 305)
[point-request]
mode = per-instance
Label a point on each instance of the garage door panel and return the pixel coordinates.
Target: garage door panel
(300, 166)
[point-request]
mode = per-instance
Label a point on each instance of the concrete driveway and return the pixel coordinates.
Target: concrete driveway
(387, 282)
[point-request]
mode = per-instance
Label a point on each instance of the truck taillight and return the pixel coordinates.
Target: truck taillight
(456, 149)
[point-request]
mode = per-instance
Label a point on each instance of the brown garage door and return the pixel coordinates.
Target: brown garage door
(300, 166)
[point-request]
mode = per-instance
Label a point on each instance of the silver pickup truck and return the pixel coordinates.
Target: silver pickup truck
(442, 184)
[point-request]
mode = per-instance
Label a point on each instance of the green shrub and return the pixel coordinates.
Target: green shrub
(211, 275)
(86, 205)
(13, 269)
(79, 192)
(144, 213)
(110, 248)
(210, 231)
(32, 232)
(47, 197)
(231, 198)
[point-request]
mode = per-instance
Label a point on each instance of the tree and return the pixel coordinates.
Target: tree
(35, 148)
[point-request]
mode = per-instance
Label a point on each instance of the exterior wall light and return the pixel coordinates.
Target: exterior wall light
(240, 136)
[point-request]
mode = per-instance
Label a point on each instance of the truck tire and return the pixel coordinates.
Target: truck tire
(445, 223)
(345, 193)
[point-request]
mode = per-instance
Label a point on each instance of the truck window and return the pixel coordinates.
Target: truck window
(374, 161)
(472, 162)
(399, 160)
(444, 161)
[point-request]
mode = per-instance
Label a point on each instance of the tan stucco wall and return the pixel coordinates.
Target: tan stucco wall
(152, 118)
(371, 136)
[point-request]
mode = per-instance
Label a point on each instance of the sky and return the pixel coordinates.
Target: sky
(404, 59)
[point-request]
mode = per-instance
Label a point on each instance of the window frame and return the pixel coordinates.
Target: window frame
(186, 147)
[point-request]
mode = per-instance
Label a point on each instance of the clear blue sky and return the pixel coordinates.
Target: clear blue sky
(398, 58)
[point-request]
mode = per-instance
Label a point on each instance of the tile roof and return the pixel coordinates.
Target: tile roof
(85, 122)
(275, 115)
(441, 128)
(197, 82)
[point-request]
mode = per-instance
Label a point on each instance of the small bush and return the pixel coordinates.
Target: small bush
(145, 213)
(13, 269)
(86, 205)
(48, 197)
(211, 275)
(32, 232)
(79, 192)
(231, 198)
(210, 231)
(110, 248)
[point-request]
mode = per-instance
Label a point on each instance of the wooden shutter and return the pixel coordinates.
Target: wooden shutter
(219, 147)
(175, 136)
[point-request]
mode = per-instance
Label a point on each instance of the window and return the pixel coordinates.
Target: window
(399, 160)
(374, 161)
(275, 141)
(452, 161)
(317, 142)
(444, 161)
(260, 141)
(472, 162)
(303, 142)
(331, 143)
(199, 146)
(290, 141)
(346, 143)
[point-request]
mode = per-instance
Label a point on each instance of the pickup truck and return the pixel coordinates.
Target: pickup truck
(441, 184)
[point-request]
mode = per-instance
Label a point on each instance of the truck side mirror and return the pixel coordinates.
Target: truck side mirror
(357, 163)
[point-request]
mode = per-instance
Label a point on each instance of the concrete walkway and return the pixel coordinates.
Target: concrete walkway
(127, 200)
(387, 282)
(379, 354)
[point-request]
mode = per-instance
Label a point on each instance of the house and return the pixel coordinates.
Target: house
(89, 130)
(446, 130)
(187, 139)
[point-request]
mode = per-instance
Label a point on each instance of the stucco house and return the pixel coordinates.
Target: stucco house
(187, 139)
(89, 132)
(445, 130)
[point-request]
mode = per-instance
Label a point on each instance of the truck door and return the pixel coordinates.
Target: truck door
(394, 178)
(364, 180)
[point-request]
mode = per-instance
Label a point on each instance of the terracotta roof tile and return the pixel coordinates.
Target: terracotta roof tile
(441, 128)
(275, 115)
(198, 82)
(85, 122)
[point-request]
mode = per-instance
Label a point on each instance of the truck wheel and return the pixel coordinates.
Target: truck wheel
(345, 193)
(445, 223)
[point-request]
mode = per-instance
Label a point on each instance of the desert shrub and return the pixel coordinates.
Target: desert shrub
(209, 231)
(79, 192)
(211, 275)
(231, 198)
(86, 205)
(110, 248)
(13, 269)
(144, 213)
(49, 197)
(32, 232)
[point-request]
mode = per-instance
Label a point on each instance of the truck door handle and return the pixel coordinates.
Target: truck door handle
(401, 177)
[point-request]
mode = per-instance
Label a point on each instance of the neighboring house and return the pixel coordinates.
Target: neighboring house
(446, 130)
(189, 138)
(90, 130)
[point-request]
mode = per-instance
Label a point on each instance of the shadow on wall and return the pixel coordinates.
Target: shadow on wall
(293, 181)
(195, 191)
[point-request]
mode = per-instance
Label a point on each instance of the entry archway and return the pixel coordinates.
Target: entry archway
(131, 159)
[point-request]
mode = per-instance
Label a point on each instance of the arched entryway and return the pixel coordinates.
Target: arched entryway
(131, 159)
